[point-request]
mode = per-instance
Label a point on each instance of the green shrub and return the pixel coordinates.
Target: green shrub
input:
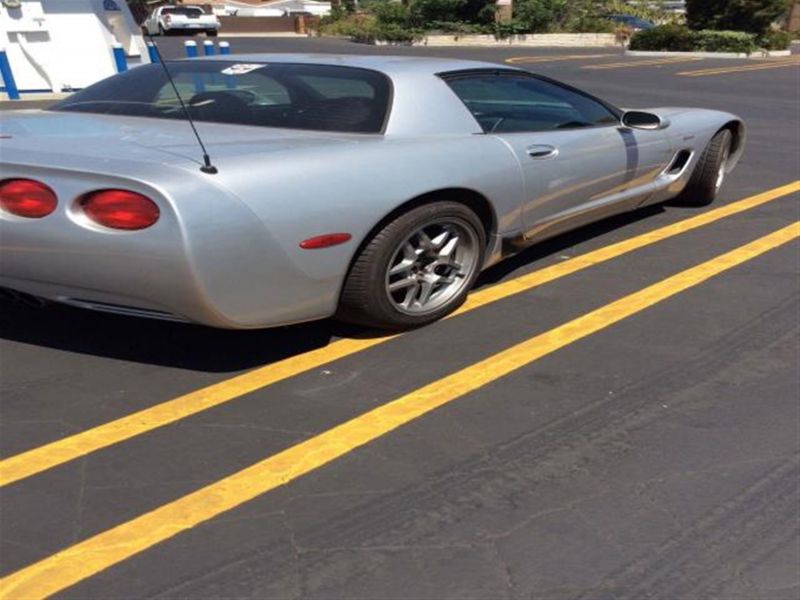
(392, 13)
(774, 40)
(677, 38)
(650, 11)
(456, 27)
(665, 38)
(591, 24)
(397, 33)
(425, 12)
(360, 28)
(540, 16)
(572, 16)
(502, 31)
(367, 29)
(726, 41)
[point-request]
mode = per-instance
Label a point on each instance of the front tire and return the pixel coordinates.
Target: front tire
(709, 173)
(416, 269)
(211, 33)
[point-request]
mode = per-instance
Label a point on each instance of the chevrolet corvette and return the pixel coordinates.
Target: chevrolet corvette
(370, 188)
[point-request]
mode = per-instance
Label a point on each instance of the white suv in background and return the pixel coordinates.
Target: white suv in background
(192, 19)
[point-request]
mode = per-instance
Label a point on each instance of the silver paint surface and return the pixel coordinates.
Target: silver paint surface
(225, 251)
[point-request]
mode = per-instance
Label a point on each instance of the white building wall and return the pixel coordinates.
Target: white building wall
(278, 8)
(67, 44)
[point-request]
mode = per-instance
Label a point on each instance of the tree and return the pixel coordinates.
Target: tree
(755, 16)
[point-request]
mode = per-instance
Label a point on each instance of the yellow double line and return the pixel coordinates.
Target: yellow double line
(50, 455)
(775, 64)
(516, 60)
(643, 63)
(89, 557)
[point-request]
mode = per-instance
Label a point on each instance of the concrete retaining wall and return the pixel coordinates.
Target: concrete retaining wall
(256, 24)
(581, 40)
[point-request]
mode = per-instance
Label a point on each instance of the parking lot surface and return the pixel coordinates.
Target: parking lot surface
(614, 414)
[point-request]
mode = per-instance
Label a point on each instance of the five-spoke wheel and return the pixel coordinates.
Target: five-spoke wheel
(431, 266)
(416, 269)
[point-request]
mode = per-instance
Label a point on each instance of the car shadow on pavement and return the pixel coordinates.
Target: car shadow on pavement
(198, 348)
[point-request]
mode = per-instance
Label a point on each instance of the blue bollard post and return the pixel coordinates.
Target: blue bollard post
(151, 51)
(224, 48)
(8, 76)
(208, 50)
(191, 49)
(119, 58)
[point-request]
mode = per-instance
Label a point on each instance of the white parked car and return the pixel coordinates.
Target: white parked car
(168, 19)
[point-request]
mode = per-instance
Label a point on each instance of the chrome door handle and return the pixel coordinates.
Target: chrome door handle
(541, 151)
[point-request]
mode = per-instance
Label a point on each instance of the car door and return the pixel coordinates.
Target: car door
(575, 157)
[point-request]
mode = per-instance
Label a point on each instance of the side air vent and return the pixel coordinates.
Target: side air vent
(679, 162)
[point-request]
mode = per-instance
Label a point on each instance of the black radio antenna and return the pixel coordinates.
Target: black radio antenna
(207, 166)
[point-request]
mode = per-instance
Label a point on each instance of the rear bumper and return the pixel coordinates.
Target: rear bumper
(198, 26)
(211, 262)
(63, 259)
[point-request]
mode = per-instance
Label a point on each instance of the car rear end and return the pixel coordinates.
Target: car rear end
(189, 19)
(114, 214)
(96, 240)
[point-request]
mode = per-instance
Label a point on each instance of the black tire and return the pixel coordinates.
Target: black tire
(162, 32)
(365, 299)
(704, 184)
(211, 33)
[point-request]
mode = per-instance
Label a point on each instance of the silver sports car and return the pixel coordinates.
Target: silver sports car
(370, 188)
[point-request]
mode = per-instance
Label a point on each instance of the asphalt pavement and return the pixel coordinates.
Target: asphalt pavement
(650, 450)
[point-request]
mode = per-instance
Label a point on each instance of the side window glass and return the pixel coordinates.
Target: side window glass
(509, 103)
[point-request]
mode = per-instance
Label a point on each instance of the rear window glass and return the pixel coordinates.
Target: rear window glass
(293, 96)
(182, 10)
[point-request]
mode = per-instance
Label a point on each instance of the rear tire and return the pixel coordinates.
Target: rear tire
(709, 173)
(416, 269)
(211, 33)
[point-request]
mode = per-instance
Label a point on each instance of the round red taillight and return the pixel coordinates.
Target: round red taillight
(27, 198)
(120, 209)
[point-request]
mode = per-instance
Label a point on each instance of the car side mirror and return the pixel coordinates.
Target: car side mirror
(637, 119)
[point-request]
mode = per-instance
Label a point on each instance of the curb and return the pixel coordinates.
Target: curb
(257, 34)
(523, 40)
(760, 54)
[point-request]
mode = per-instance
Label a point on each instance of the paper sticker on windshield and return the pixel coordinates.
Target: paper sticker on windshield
(242, 68)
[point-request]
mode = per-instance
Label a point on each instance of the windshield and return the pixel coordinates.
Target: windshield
(293, 96)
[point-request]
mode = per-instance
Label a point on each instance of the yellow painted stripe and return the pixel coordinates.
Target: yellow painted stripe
(642, 63)
(778, 64)
(100, 552)
(516, 60)
(69, 448)
(753, 64)
(744, 69)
